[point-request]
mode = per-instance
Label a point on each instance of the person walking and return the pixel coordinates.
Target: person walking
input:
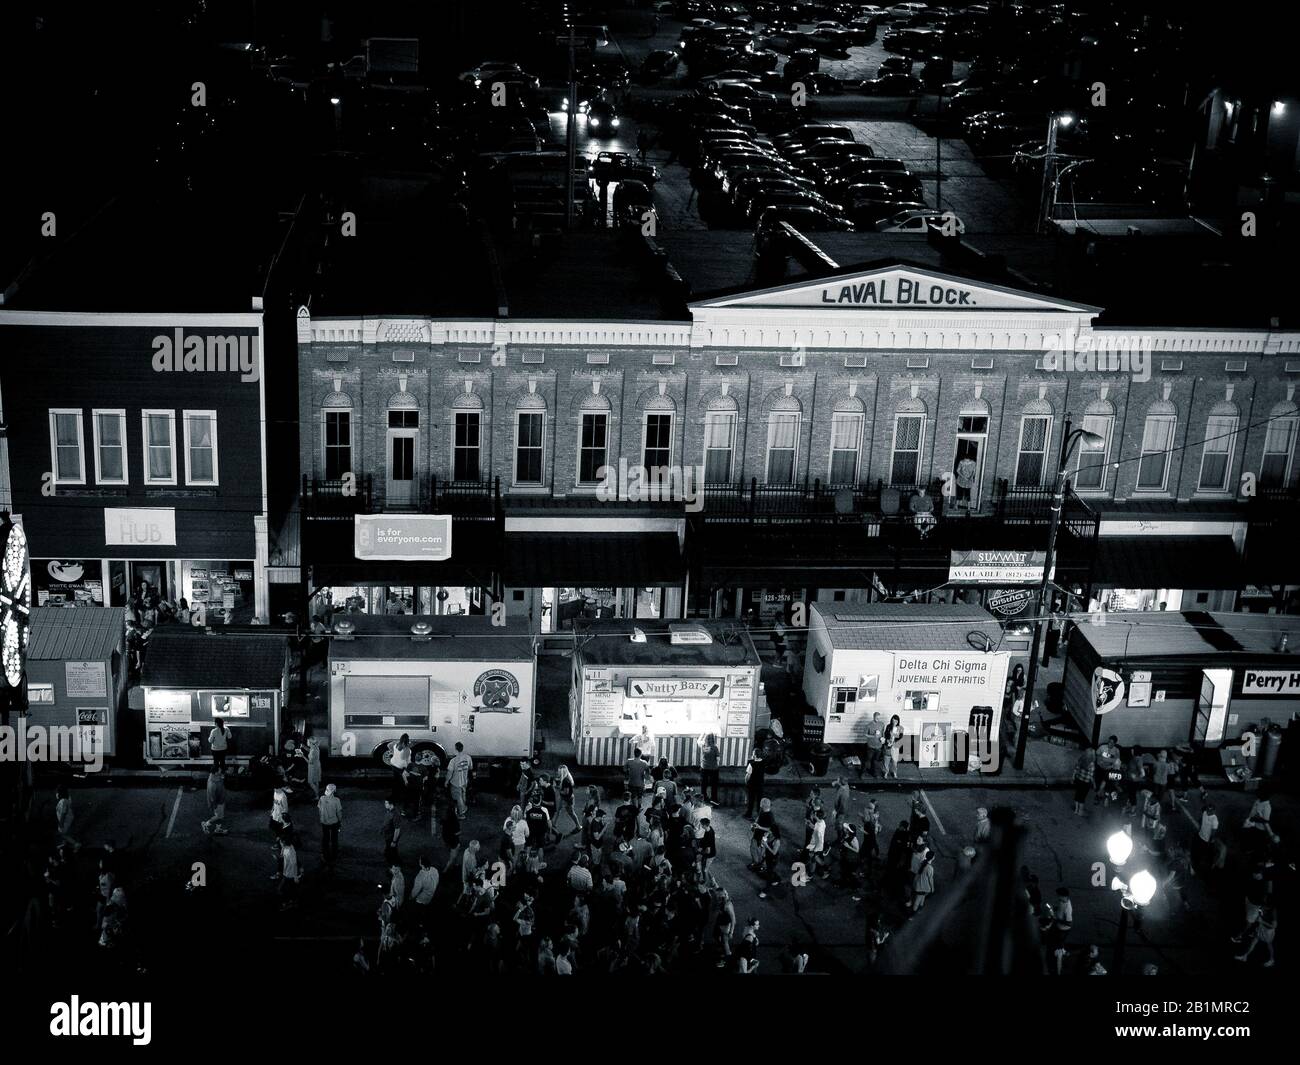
(815, 848)
(1259, 822)
(1107, 762)
(983, 826)
(313, 766)
(424, 889)
(399, 761)
(1084, 770)
(330, 808)
(706, 845)
(1160, 774)
(216, 794)
(636, 770)
(219, 741)
(1205, 834)
(566, 786)
(539, 823)
(391, 832)
(710, 761)
(875, 744)
(459, 773)
(291, 872)
(754, 778)
(922, 885)
(893, 746)
(280, 828)
(770, 856)
(63, 817)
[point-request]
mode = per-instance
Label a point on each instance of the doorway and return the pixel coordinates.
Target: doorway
(968, 461)
(403, 438)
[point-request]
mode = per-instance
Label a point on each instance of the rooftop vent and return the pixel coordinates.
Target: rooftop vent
(421, 631)
(344, 629)
(681, 634)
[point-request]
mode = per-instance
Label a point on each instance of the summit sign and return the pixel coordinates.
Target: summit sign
(899, 292)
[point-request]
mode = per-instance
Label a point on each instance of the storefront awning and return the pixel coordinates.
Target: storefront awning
(1206, 562)
(601, 560)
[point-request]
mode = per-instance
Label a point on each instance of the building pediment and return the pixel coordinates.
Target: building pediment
(892, 290)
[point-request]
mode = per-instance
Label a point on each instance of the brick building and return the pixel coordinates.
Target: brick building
(853, 426)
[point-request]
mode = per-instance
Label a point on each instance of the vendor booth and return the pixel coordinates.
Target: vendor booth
(940, 669)
(192, 677)
(679, 681)
(441, 680)
(77, 676)
(1163, 679)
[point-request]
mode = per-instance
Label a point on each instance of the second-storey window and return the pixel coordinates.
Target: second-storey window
(593, 447)
(1216, 459)
(1090, 473)
(159, 446)
(1279, 447)
(67, 446)
(658, 450)
(905, 467)
(338, 444)
(782, 437)
(529, 428)
(846, 446)
(1031, 462)
(201, 447)
(465, 445)
(1157, 444)
(110, 446)
(719, 446)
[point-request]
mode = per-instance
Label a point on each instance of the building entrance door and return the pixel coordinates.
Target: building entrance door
(403, 440)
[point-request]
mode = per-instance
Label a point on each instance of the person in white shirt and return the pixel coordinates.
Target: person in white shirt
(219, 741)
(458, 774)
(425, 886)
(399, 760)
(816, 849)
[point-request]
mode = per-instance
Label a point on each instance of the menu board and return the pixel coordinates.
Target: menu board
(226, 707)
(88, 679)
(166, 706)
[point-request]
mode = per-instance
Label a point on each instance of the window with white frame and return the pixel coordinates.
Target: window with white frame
(905, 463)
(109, 427)
(159, 446)
(658, 449)
(529, 436)
(782, 438)
(846, 447)
(1090, 470)
(719, 446)
(465, 445)
(200, 447)
(1216, 458)
(1031, 459)
(338, 444)
(1279, 451)
(67, 446)
(1157, 446)
(593, 446)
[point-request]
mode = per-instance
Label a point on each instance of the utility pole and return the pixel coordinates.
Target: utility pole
(572, 135)
(938, 154)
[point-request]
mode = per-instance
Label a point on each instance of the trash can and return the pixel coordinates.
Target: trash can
(1269, 747)
(819, 756)
(960, 762)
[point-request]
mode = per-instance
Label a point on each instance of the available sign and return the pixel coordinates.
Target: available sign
(404, 537)
(139, 526)
(996, 567)
(1270, 682)
(674, 688)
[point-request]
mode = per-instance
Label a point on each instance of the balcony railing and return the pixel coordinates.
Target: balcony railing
(336, 498)
(468, 500)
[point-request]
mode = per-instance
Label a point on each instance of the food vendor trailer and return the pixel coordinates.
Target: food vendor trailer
(439, 679)
(192, 676)
(1160, 678)
(682, 681)
(939, 667)
(77, 676)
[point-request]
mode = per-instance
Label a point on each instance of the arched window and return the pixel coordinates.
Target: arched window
(1276, 468)
(719, 440)
(593, 438)
(1220, 446)
(847, 421)
(530, 440)
(657, 432)
(909, 440)
(1092, 458)
(1035, 441)
(336, 436)
(783, 441)
(1157, 446)
(467, 438)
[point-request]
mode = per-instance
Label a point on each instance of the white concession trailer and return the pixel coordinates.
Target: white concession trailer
(939, 667)
(438, 679)
(682, 681)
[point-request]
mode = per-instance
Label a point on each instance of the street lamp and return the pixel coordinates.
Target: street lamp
(1137, 893)
(1058, 501)
(1056, 121)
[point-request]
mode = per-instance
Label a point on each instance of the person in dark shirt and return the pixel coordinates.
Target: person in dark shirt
(754, 775)
(635, 768)
(539, 823)
(391, 833)
(625, 816)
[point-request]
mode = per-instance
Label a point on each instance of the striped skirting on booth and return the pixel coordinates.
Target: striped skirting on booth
(681, 751)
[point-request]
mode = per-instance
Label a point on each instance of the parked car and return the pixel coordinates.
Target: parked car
(893, 85)
(738, 177)
(784, 198)
(632, 200)
(660, 64)
(913, 221)
(769, 235)
(895, 64)
(620, 166)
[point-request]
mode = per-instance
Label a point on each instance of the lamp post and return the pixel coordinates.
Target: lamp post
(1056, 121)
(1058, 501)
(1138, 892)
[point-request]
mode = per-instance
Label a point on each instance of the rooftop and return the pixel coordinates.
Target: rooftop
(189, 659)
(454, 638)
(609, 643)
(77, 634)
(1194, 634)
(908, 626)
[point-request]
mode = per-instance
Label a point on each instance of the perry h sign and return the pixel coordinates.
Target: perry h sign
(996, 567)
(403, 537)
(1270, 682)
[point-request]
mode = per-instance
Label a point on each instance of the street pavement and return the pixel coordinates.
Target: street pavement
(238, 909)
